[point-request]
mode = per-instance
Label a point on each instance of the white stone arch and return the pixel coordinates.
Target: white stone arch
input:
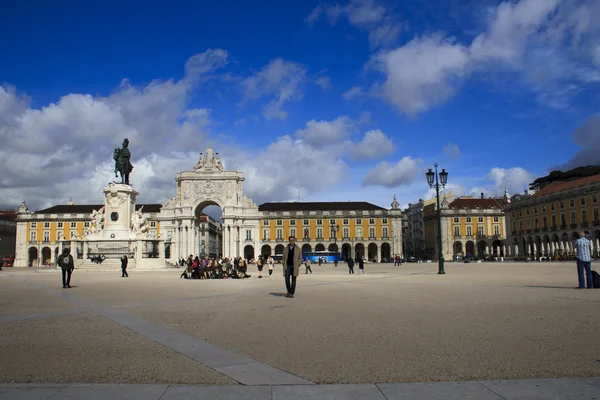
(210, 183)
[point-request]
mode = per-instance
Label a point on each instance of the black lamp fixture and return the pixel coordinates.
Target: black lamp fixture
(438, 179)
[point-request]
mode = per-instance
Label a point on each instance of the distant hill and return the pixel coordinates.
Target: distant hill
(555, 176)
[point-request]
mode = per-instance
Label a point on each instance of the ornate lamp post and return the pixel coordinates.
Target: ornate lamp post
(334, 230)
(438, 179)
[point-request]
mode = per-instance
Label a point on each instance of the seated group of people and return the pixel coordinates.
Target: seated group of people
(97, 259)
(212, 268)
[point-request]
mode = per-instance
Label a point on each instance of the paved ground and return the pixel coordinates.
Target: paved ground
(479, 322)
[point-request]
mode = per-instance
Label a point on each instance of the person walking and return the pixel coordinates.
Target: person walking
(67, 265)
(124, 261)
(584, 261)
(307, 265)
(259, 265)
(361, 265)
(350, 266)
(270, 263)
(292, 258)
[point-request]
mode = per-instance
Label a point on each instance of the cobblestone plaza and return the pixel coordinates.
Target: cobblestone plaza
(481, 322)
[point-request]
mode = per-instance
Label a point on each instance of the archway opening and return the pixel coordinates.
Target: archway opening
(333, 247)
(46, 255)
(386, 251)
(359, 251)
(320, 247)
(265, 251)
(279, 250)
(346, 249)
(497, 249)
(372, 252)
(481, 249)
(458, 249)
(33, 256)
(208, 232)
(306, 248)
(249, 252)
(470, 249)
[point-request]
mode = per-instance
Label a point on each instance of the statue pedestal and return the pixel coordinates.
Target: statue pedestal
(119, 206)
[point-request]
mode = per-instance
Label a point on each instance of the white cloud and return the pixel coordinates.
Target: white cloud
(401, 173)
(420, 74)
(319, 133)
(514, 179)
(550, 44)
(282, 81)
(383, 25)
(353, 92)
(452, 151)
(64, 150)
(285, 168)
(375, 144)
(324, 82)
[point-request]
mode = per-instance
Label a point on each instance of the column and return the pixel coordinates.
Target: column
(378, 254)
(516, 250)
(86, 249)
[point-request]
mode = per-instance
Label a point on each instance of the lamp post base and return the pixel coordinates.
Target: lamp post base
(441, 268)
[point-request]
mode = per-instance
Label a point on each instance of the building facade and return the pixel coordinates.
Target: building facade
(356, 229)
(211, 234)
(41, 235)
(547, 222)
(472, 228)
(8, 233)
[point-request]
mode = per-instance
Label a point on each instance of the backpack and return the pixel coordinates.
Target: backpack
(65, 260)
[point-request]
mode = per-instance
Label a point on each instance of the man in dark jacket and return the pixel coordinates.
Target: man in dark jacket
(124, 261)
(350, 266)
(66, 263)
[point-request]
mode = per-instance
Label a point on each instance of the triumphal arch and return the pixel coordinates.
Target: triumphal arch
(209, 184)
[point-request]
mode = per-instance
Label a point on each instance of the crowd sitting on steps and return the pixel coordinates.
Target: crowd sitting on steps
(221, 268)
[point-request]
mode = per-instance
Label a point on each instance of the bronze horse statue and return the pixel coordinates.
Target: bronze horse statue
(123, 165)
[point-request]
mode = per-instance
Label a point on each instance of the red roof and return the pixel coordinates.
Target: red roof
(463, 203)
(556, 187)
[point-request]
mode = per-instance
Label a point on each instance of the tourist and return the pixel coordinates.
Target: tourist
(270, 264)
(307, 265)
(259, 265)
(361, 264)
(67, 265)
(350, 266)
(291, 260)
(124, 261)
(584, 261)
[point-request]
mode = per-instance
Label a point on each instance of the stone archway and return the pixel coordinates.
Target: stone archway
(458, 249)
(249, 252)
(481, 247)
(359, 251)
(279, 250)
(306, 248)
(333, 247)
(386, 250)
(33, 256)
(346, 251)
(46, 255)
(372, 252)
(210, 184)
(470, 249)
(266, 250)
(320, 247)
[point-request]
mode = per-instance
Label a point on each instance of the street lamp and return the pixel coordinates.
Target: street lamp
(438, 179)
(334, 229)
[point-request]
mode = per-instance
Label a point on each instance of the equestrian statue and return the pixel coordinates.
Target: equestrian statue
(123, 165)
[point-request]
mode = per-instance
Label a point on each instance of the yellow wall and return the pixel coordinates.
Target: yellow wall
(577, 208)
(326, 229)
(488, 225)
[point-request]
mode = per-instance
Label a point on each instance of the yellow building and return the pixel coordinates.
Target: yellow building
(471, 228)
(352, 228)
(46, 231)
(547, 222)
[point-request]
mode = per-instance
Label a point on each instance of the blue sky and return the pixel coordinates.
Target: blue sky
(492, 91)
